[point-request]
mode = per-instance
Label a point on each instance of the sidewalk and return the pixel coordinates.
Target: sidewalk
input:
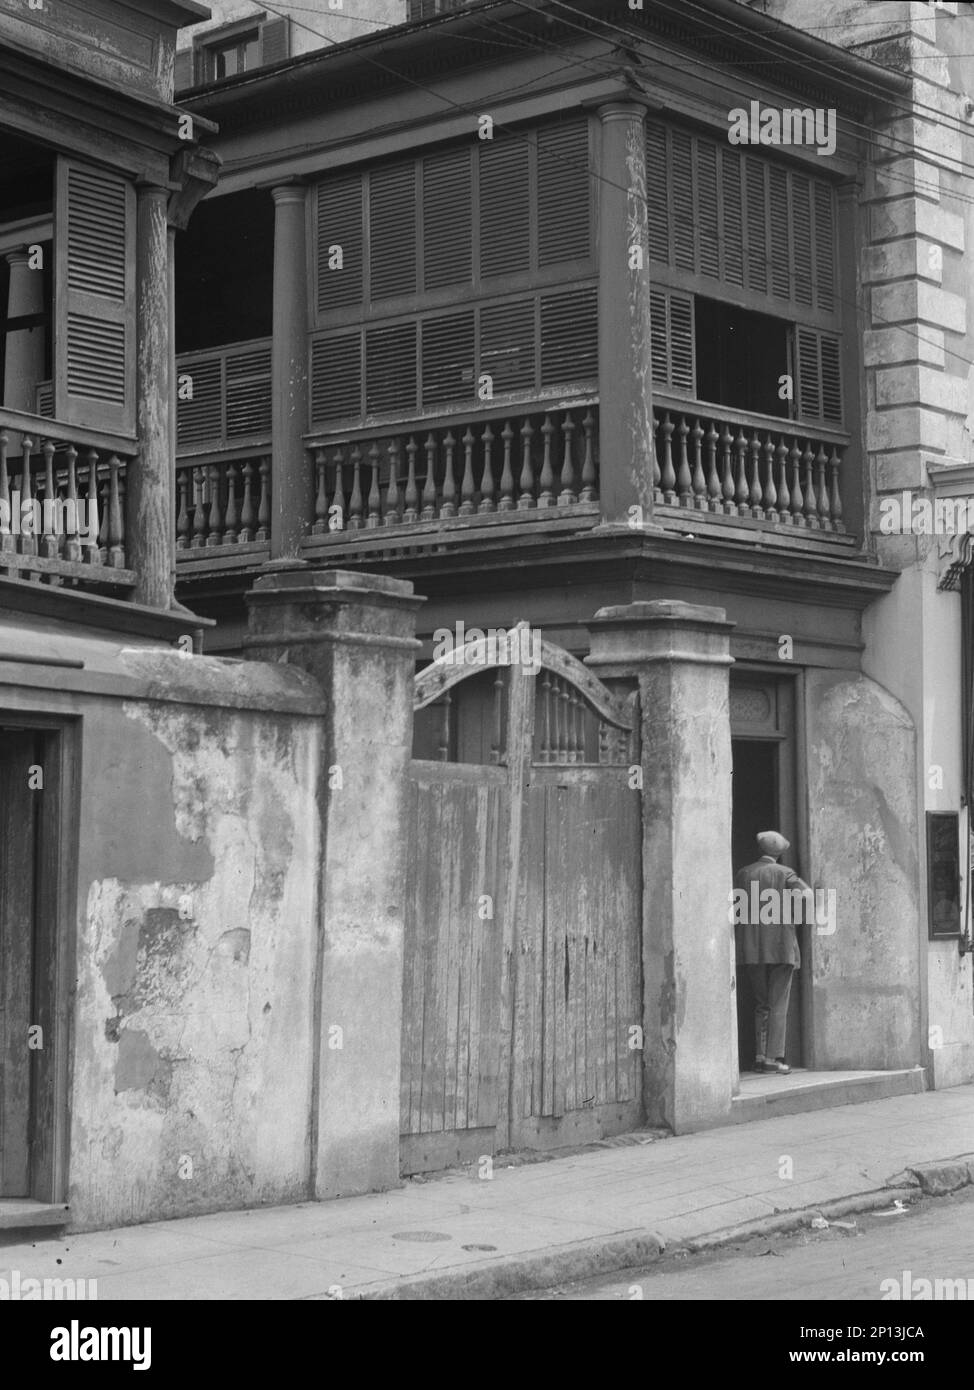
(465, 1236)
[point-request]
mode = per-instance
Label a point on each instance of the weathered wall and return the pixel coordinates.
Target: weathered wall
(863, 842)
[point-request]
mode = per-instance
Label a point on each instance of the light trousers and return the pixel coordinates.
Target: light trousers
(771, 985)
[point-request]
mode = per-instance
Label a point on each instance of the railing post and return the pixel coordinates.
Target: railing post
(292, 491)
(625, 367)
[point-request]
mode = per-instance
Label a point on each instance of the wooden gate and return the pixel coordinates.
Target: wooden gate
(523, 979)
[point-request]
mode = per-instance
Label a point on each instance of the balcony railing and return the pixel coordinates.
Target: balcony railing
(62, 504)
(224, 502)
(712, 459)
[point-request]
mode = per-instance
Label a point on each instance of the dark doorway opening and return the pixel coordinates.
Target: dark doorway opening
(761, 789)
(741, 357)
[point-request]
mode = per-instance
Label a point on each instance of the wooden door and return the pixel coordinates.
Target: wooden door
(522, 982)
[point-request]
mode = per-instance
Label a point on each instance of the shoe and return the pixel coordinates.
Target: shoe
(763, 1064)
(779, 1065)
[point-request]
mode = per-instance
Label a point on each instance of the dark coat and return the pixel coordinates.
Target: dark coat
(769, 943)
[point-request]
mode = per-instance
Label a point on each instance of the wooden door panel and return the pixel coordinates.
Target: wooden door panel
(17, 887)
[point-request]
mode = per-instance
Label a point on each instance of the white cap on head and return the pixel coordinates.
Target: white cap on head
(770, 842)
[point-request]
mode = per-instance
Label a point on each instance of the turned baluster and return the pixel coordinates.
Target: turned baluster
(264, 501)
(589, 477)
(72, 544)
(835, 497)
(375, 499)
(657, 475)
(247, 506)
(182, 514)
(756, 496)
(49, 536)
(429, 486)
(355, 500)
(94, 514)
(668, 476)
(506, 504)
(546, 497)
(526, 481)
(497, 738)
(770, 500)
(743, 491)
(566, 496)
(104, 513)
(797, 500)
(411, 513)
(712, 500)
(336, 512)
(821, 491)
(727, 472)
(467, 489)
(698, 483)
(808, 480)
(232, 519)
(199, 514)
(116, 526)
(784, 496)
(215, 535)
(321, 495)
(683, 476)
(448, 506)
(28, 540)
(6, 535)
(392, 492)
(487, 486)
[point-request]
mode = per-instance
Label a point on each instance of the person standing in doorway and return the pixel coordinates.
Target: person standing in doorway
(767, 943)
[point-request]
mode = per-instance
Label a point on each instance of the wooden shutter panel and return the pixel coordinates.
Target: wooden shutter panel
(505, 206)
(275, 41)
(336, 378)
(824, 243)
(708, 210)
(390, 368)
(671, 340)
(448, 358)
(564, 198)
(247, 392)
(657, 193)
(392, 231)
(778, 212)
(569, 336)
(339, 222)
(683, 222)
(94, 346)
(507, 345)
(447, 219)
(819, 372)
(756, 223)
(732, 195)
(200, 420)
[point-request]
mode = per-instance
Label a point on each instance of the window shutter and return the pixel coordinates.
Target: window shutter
(505, 206)
(756, 225)
(448, 358)
(336, 378)
(447, 219)
(248, 393)
(824, 240)
(684, 221)
(708, 210)
(657, 192)
(564, 198)
(200, 420)
(569, 336)
(392, 231)
(275, 41)
(339, 224)
(781, 267)
(95, 298)
(801, 225)
(671, 323)
(390, 368)
(819, 376)
(183, 71)
(507, 345)
(732, 241)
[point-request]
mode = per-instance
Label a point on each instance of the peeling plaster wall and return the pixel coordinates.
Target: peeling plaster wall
(192, 1074)
(863, 840)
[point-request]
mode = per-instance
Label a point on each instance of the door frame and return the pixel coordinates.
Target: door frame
(53, 967)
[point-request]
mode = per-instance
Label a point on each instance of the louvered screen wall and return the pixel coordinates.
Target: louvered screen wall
(231, 396)
(740, 219)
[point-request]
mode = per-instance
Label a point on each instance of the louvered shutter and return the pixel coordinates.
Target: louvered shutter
(199, 419)
(247, 392)
(507, 345)
(339, 224)
(658, 192)
(671, 340)
(505, 205)
(781, 264)
(275, 41)
(564, 197)
(447, 219)
(336, 378)
(94, 345)
(569, 336)
(818, 369)
(447, 345)
(824, 246)
(390, 368)
(756, 224)
(732, 207)
(683, 222)
(392, 231)
(708, 210)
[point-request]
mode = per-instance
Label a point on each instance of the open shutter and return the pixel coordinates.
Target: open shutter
(275, 41)
(339, 242)
(505, 206)
(336, 378)
(818, 368)
(671, 322)
(569, 336)
(392, 231)
(94, 346)
(564, 198)
(447, 219)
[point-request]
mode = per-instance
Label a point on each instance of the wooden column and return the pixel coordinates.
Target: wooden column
(151, 524)
(292, 492)
(625, 369)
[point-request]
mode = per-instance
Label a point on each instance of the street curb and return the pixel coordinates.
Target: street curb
(608, 1255)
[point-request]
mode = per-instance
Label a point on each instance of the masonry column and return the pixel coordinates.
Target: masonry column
(24, 358)
(680, 654)
(291, 480)
(625, 367)
(150, 526)
(356, 634)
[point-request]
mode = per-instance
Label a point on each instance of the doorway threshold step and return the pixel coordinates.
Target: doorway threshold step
(20, 1213)
(763, 1097)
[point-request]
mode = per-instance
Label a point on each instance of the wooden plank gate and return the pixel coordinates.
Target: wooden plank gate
(523, 977)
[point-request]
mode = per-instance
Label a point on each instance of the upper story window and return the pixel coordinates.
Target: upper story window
(426, 9)
(233, 49)
(231, 57)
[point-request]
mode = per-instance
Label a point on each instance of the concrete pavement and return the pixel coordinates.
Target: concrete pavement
(467, 1235)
